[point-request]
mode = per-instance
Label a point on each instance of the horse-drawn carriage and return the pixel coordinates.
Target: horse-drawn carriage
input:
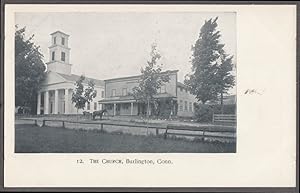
(98, 114)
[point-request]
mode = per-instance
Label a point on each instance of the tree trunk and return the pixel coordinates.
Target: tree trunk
(222, 106)
(77, 114)
(148, 108)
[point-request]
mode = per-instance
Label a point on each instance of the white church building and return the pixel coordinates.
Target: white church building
(55, 95)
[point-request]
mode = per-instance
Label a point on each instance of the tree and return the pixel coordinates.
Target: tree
(151, 79)
(29, 70)
(211, 66)
(80, 95)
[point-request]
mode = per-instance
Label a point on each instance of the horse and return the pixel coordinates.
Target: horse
(99, 113)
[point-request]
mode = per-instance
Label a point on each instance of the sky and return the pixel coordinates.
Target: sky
(111, 45)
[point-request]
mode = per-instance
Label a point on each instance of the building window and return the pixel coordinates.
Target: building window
(54, 40)
(190, 107)
(113, 92)
(95, 106)
(62, 41)
(102, 94)
(63, 56)
(180, 105)
(124, 92)
(53, 56)
(163, 89)
(88, 106)
(185, 105)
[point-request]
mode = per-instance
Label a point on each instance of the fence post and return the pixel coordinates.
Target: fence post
(44, 123)
(165, 134)
(213, 118)
(156, 131)
(35, 122)
(101, 126)
(63, 124)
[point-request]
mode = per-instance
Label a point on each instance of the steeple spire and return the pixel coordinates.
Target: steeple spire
(59, 53)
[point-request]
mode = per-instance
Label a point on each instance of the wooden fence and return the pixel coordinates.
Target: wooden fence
(229, 119)
(209, 131)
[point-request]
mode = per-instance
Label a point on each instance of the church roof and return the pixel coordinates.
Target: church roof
(59, 32)
(181, 85)
(74, 77)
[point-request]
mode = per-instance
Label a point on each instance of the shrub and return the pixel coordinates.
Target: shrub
(204, 113)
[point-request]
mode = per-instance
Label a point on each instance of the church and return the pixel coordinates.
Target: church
(55, 95)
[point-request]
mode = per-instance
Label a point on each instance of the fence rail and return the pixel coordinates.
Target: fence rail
(212, 131)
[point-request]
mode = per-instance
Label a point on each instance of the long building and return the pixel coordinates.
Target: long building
(173, 98)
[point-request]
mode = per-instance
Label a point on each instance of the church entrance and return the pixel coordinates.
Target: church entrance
(51, 107)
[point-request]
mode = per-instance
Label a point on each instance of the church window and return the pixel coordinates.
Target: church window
(95, 106)
(53, 55)
(54, 40)
(88, 106)
(62, 41)
(63, 56)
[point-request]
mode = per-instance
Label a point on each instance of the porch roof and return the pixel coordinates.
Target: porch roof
(130, 99)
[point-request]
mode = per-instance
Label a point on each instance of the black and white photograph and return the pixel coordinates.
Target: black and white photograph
(168, 97)
(125, 82)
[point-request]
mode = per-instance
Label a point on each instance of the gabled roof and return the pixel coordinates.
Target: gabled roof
(181, 85)
(74, 77)
(60, 32)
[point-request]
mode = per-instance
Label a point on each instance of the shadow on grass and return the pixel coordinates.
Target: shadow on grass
(34, 139)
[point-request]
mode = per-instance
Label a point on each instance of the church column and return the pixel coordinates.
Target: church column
(66, 101)
(56, 102)
(131, 109)
(38, 111)
(46, 102)
(115, 108)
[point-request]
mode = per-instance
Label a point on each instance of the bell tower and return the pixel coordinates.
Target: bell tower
(59, 53)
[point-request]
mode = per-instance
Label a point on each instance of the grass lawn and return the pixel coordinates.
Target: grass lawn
(34, 139)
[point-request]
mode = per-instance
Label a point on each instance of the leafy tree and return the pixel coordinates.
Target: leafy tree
(29, 70)
(211, 67)
(151, 80)
(80, 95)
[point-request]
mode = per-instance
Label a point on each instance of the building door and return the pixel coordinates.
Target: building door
(51, 107)
(118, 109)
(64, 107)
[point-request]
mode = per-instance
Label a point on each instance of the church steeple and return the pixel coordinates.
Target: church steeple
(59, 53)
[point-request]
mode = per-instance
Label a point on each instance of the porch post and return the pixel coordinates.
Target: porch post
(66, 101)
(131, 109)
(46, 102)
(115, 108)
(56, 102)
(38, 111)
